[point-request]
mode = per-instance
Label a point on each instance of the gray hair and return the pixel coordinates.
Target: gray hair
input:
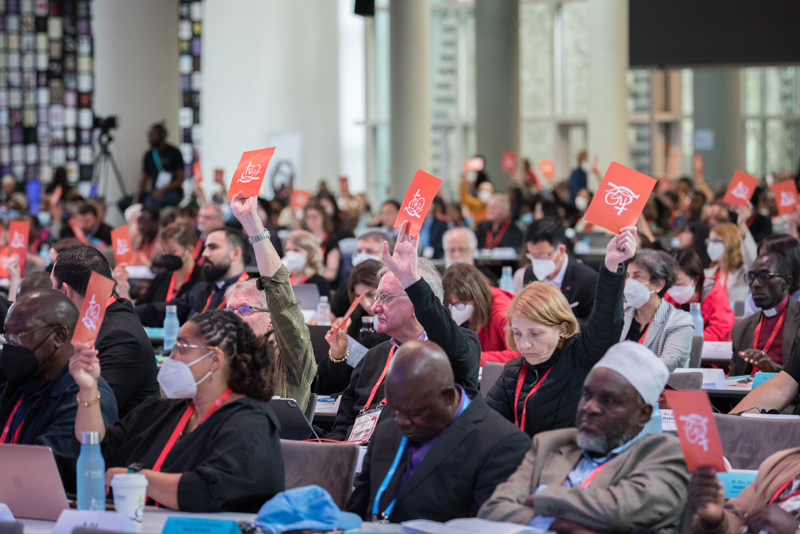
(378, 237)
(473, 241)
(429, 273)
(503, 199)
(249, 291)
(659, 265)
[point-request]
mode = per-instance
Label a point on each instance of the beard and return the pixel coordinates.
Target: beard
(213, 273)
(603, 444)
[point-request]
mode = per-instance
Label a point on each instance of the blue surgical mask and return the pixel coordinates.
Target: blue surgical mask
(526, 218)
(44, 218)
(14, 214)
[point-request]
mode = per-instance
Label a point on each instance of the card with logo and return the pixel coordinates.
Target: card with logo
(741, 189)
(4, 259)
(18, 232)
(697, 429)
(219, 177)
(298, 198)
(547, 168)
(197, 172)
(93, 310)
(344, 185)
(250, 172)
(620, 198)
(473, 165)
(121, 241)
(417, 202)
(785, 196)
(509, 162)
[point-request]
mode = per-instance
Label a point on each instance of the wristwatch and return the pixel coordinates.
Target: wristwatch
(135, 467)
(259, 237)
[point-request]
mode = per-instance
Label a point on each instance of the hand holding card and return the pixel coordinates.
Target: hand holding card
(473, 165)
(785, 196)
(417, 202)
(547, 168)
(250, 172)
(18, 232)
(697, 429)
(509, 162)
(93, 310)
(620, 198)
(121, 241)
(741, 189)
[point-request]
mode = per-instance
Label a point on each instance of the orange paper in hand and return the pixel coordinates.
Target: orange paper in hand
(620, 198)
(93, 310)
(697, 429)
(547, 168)
(121, 241)
(197, 171)
(509, 162)
(698, 163)
(344, 185)
(785, 196)
(417, 202)
(250, 173)
(473, 165)
(741, 189)
(298, 198)
(18, 232)
(350, 310)
(77, 231)
(4, 259)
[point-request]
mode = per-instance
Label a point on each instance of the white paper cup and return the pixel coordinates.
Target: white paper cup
(130, 494)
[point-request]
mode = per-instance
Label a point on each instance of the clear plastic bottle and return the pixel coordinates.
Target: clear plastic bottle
(507, 280)
(91, 471)
(697, 318)
(323, 312)
(171, 327)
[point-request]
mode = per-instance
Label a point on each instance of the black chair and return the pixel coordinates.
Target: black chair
(491, 372)
(331, 466)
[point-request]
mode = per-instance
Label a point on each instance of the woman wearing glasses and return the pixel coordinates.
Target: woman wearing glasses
(212, 445)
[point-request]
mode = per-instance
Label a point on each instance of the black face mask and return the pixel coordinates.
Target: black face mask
(20, 363)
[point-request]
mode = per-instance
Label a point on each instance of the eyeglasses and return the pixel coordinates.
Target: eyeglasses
(763, 277)
(715, 240)
(383, 300)
(179, 349)
(544, 255)
(245, 311)
(14, 339)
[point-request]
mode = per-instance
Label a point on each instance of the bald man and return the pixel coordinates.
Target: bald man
(453, 449)
(38, 396)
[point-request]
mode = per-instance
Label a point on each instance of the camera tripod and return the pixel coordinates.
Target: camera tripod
(102, 162)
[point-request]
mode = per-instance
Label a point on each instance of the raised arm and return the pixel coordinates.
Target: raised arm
(84, 366)
(245, 209)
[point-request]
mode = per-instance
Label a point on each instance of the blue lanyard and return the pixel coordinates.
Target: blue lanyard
(157, 160)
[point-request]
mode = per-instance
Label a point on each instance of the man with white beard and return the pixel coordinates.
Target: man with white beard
(606, 474)
(460, 245)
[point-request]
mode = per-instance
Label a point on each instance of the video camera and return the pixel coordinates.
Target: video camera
(105, 123)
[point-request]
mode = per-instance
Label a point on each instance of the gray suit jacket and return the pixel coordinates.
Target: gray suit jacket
(669, 336)
(642, 487)
(744, 330)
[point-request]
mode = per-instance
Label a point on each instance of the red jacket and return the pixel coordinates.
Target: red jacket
(493, 334)
(718, 316)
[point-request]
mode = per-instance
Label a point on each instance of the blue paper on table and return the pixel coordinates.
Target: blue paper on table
(736, 481)
(154, 332)
(196, 525)
(760, 377)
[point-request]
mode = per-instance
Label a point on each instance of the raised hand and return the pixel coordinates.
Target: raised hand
(246, 211)
(84, 366)
(706, 496)
(14, 269)
(621, 248)
(338, 342)
(403, 263)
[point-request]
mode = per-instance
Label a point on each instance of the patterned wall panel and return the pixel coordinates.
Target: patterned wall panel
(190, 26)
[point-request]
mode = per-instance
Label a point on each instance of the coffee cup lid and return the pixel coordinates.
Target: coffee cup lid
(126, 480)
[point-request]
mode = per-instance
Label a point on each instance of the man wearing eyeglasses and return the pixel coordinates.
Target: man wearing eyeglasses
(764, 341)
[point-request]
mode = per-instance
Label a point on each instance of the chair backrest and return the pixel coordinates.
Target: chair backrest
(746, 441)
(685, 380)
(311, 408)
(738, 309)
(11, 527)
(347, 246)
(331, 466)
(491, 372)
(696, 354)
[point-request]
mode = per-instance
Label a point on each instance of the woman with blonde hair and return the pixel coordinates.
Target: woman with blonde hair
(732, 251)
(302, 256)
(475, 304)
(540, 390)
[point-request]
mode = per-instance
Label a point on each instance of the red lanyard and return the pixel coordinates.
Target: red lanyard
(774, 331)
(182, 424)
(493, 243)
(523, 372)
(197, 248)
(780, 490)
(301, 282)
(380, 380)
(171, 288)
(243, 276)
(585, 483)
(641, 339)
(9, 423)
(324, 244)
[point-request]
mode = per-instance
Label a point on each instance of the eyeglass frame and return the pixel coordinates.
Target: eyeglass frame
(190, 346)
(757, 276)
(250, 309)
(382, 299)
(29, 332)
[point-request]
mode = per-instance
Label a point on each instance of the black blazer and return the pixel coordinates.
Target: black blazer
(438, 228)
(478, 451)
(159, 286)
(744, 330)
(127, 359)
(512, 237)
(579, 287)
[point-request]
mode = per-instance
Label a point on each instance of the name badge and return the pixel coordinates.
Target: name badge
(72, 519)
(365, 424)
(163, 179)
(196, 525)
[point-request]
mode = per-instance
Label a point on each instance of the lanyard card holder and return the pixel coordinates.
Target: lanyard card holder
(365, 424)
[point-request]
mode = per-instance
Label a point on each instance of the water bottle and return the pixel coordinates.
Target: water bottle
(368, 325)
(697, 318)
(91, 471)
(323, 312)
(44, 253)
(507, 280)
(171, 327)
(653, 426)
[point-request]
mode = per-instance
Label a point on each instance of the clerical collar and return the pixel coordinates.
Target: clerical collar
(772, 312)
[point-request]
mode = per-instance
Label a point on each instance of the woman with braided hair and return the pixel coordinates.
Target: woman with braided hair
(212, 445)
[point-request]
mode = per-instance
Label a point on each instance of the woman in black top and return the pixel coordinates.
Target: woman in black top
(540, 390)
(227, 456)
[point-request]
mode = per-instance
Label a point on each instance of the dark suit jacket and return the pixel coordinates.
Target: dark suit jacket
(744, 330)
(579, 286)
(478, 451)
(512, 237)
(127, 360)
(438, 228)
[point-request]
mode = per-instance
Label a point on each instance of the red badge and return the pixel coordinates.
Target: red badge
(250, 173)
(121, 241)
(344, 186)
(473, 165)
(509, 162)
(697, 429)
(18, 232)
(741, 189)
(785, 196)
(547, 168)
(298, 198)
(620, 198)
(417, 202)
(93, 310)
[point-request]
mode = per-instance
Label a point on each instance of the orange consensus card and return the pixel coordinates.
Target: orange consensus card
(93, 310)
(344, 185)
(547, 168)
(250, 172)
(698, 163)
(473, 165)
(197, 171)
(4, 259)
(785, 196)
(76, 230)
(298, 198)
(219, 177)
(417, 202)
(350, 310)
(121, 241)
(18, 232)
(741, 189)
(620, 198)
(509, 162)
(697, 429)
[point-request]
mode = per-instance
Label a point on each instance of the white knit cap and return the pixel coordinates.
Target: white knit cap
(639, 366)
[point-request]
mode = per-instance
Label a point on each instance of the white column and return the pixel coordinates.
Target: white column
(410, 107)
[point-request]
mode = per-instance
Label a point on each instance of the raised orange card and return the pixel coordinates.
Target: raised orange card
(741, 189)
(77, 231)
(219, 177)
(473, 165)
(298, 198)
(18, 232)
(121, 241)
(4, 259)
(509, 162)
(785, 196)
(698, 163)
(197, 171)
(344, 185)
(547, 168)
(56, 196)
(417, 202)
(93, 310)
(697, 429)
(620, 198)
(350, 310)
(250, 172)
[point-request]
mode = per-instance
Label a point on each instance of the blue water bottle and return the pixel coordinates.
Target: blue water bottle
(171, 327)
(91, 470)
(697, 318)
(507, 280)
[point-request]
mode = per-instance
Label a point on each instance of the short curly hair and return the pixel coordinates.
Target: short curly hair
(251, 358)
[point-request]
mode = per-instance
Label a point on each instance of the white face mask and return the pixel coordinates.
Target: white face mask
(586, 167)
(715, 250)
(485, 196)
(636, 293)
(361, 258)
(682, 294)
(461, 312)
(177, 379)
(294, 261)
(542, 268)
(581, 203)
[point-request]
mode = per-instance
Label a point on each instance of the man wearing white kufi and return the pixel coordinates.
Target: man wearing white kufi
(606, 474)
